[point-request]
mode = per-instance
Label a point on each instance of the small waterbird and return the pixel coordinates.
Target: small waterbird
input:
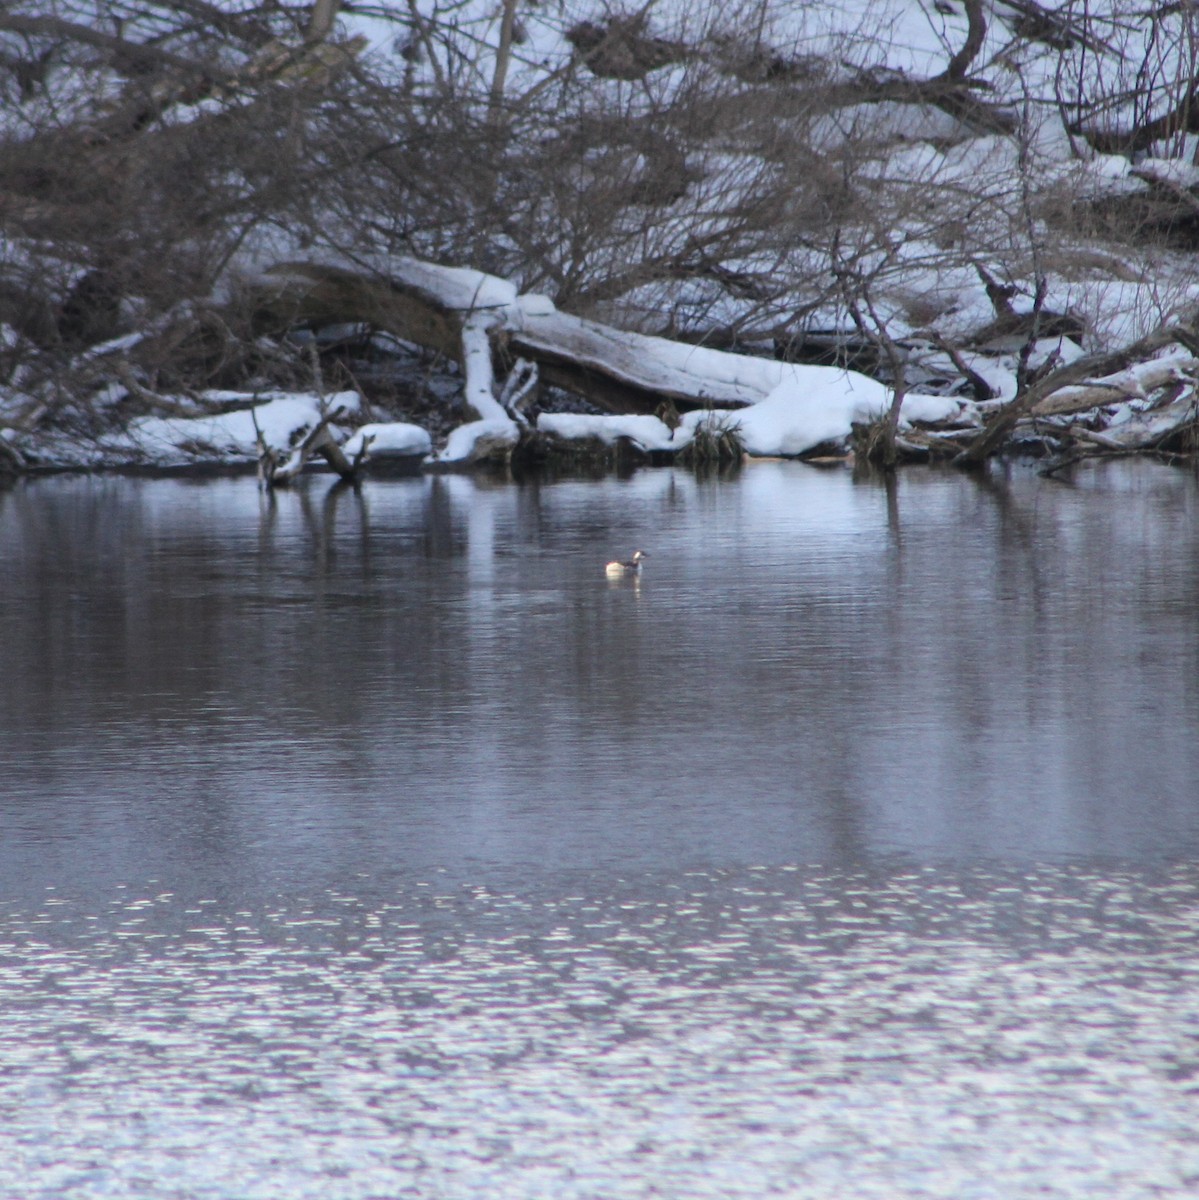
(614, 570)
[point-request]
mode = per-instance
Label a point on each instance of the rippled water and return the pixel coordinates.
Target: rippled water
(715, 1033)
(374, 845)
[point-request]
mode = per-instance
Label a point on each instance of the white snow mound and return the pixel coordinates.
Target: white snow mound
(392, 439)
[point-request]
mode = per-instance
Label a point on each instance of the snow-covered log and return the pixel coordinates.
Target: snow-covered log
(781, 408)
(479, 386)
(1080, 373)
(625, 371)
(432, 306)
(1137, 382)
(297, 294)
(1144, 431)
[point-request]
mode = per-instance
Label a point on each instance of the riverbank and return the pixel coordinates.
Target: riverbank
(982, 224)
(591, 393)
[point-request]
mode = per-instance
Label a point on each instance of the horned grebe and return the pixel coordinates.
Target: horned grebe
(633, 567)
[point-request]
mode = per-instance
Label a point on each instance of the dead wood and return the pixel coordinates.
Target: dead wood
(978, 385)
(12, 461)
(623, 48)
(277, 469)
(308, 296)
(1136, 384)
(130, 55)
(619, 372)
(959, 97)
(1090, 367)
(622, 372)
(1182, 118)
(1145, 431)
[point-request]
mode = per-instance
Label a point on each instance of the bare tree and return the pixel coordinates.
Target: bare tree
(687, 172)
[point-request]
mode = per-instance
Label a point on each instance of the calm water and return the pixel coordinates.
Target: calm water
(375, 845)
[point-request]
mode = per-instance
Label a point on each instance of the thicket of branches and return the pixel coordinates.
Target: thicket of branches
(683, 172)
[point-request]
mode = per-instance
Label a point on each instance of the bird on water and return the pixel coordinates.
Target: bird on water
(615, 569)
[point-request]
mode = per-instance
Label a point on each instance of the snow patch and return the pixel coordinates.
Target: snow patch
(281, 420)
(533, 304)
(821, 404)
(811, 406)
(457, 287)
(393, 439)
(648, 432)
(462, 441)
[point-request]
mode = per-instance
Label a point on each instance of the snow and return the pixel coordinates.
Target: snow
(531, 304)
(656, 363)
(811, 406)
(392, 439)
(479, 388)
(807, 406)
(456, 287)
(462, 441)
(820, 404)
(931, 409)
(646, 431)
(114, 346)
(282, 420)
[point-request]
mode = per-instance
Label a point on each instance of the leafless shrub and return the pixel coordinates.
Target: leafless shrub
(690, 173)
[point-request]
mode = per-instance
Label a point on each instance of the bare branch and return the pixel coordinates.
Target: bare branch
(132, 54)
(976, 33)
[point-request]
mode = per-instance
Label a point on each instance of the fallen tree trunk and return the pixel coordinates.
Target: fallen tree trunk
(298, 295)
(632, 372)
(438, 307)
(1137, 382)
(12, 462)
(1079, 372)
(1144, 431)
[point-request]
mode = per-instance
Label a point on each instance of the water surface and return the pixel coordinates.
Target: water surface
(374, 844)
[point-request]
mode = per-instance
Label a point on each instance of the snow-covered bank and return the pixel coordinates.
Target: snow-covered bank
(1142, 398)
(820, 406)
(236, 431)
(763, 407)
(230, 436)
(810, 407)
(989, 205)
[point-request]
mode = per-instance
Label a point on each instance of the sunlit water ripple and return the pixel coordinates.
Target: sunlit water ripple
(755, 1032)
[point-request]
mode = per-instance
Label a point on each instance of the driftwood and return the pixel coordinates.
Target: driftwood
(12, 461)
(276, 469)
(1137, 383)
(295, 295)
(1144, 431)
(1082, 372)
(519, 389)
(629, 372)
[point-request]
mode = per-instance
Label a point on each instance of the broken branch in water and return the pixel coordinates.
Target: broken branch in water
(275, 471)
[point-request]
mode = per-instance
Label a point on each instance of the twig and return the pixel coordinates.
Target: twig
(978, 385)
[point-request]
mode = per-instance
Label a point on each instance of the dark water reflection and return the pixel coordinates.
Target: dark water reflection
(435, 673)
(375, 844)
